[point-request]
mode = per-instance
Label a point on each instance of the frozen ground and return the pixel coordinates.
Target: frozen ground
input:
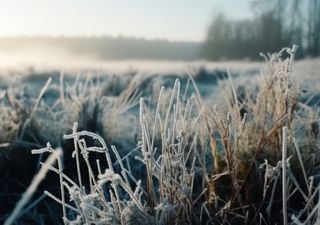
(103, 97)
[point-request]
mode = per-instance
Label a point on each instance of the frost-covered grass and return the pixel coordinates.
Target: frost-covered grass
(205, 148)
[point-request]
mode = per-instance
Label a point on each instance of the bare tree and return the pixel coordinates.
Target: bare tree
(313, 36)
(275, 24)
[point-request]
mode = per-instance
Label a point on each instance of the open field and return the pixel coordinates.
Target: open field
(160, 143)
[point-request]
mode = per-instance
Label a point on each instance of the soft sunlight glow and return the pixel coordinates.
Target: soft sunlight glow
(173, 20)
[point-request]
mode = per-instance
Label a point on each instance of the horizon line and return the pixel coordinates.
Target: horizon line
(88, 36)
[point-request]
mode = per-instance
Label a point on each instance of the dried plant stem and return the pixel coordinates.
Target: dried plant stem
(284, 175)
(27, 121)
(300, 160)
(76, 151)
(155, 118)
(147, 154)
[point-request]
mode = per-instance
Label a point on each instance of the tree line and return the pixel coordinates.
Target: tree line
(275, 24)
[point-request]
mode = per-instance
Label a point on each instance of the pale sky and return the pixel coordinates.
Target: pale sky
(163, 19)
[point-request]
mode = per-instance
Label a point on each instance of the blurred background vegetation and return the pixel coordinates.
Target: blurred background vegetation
(269, 26)
(276, 23)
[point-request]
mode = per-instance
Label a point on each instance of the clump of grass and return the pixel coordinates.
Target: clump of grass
(76, 102)
(247, 146)
(14, 110)
(169, 196)
(241, 163)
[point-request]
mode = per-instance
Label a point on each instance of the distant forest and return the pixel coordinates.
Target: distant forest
(275, 24)
(104, 48)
